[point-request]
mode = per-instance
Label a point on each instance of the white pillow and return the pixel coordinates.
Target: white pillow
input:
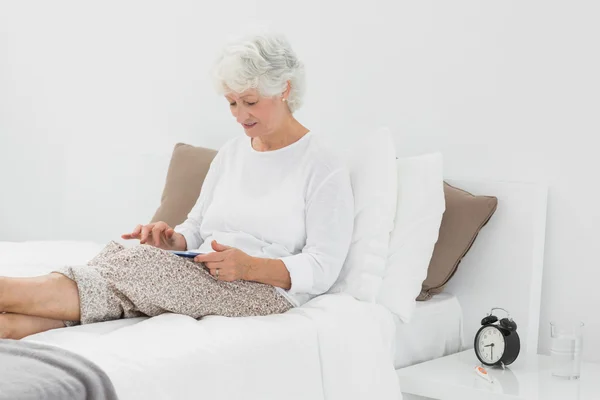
(420, 207)
(372, 165)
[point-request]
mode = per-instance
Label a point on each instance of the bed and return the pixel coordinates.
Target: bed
(333, 347)
(435, 330)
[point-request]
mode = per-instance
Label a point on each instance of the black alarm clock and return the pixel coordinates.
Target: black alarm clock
(497, 342)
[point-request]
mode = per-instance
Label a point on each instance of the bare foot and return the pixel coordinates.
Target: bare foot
(17, 326)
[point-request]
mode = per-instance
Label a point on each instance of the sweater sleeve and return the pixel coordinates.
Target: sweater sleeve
(329, 226)
(190, 228)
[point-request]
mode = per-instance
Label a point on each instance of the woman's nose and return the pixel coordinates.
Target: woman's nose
(240, 115)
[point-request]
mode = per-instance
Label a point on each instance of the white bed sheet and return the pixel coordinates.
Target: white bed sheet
(435, 330)
(333, 347)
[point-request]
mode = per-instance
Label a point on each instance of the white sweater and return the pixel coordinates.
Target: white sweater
(294, 204)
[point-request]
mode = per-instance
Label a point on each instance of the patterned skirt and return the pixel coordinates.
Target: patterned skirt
(144, 280)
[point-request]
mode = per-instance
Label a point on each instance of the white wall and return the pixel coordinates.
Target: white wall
(94, 95)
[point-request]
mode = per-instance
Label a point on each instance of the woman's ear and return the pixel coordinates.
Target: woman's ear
(286, 92)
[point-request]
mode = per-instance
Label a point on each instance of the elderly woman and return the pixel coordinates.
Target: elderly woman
(274, 221)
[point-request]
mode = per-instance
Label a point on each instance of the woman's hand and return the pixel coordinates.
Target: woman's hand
(226, 263)
(158, 234)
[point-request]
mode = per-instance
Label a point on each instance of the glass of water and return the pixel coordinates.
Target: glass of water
(565, 349)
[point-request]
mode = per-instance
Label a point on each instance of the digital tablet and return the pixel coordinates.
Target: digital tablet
(186, 253)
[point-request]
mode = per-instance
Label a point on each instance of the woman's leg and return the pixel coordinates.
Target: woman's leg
(157, 281)
(139, 281)
(58, 295)
(17, 326)
(49, 296)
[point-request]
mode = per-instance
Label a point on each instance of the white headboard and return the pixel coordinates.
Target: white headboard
(504, 266)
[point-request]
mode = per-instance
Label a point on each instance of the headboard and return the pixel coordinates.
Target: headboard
(504, 266)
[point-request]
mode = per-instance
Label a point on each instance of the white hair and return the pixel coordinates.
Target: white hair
(265, 62)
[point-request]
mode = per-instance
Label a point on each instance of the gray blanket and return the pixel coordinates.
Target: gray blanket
(34, 371)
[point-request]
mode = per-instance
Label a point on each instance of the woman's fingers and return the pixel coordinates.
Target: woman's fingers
(146, 229)
(167, 238)
(134, 234)
(158, 233)
(221, 271)
(210, 257)
(213, 266)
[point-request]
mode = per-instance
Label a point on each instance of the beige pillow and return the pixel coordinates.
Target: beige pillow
(187, 170)
(464, 217)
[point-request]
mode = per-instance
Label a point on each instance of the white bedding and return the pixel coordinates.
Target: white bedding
(333, 347)
(435, 330)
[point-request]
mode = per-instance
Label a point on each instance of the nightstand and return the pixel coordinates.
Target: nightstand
(528, 378)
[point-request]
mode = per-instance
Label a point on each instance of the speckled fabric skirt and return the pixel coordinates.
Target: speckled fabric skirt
(143, 280)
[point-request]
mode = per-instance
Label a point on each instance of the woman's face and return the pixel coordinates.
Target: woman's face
(258, 115)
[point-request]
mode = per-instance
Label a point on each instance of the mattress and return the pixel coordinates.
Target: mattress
(435, 330)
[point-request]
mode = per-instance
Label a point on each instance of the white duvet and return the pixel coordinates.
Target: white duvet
(333, 347)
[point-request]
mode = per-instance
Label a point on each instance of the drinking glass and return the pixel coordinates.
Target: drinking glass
(565, 349)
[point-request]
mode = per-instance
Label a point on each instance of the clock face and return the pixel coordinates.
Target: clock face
(490, 345)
